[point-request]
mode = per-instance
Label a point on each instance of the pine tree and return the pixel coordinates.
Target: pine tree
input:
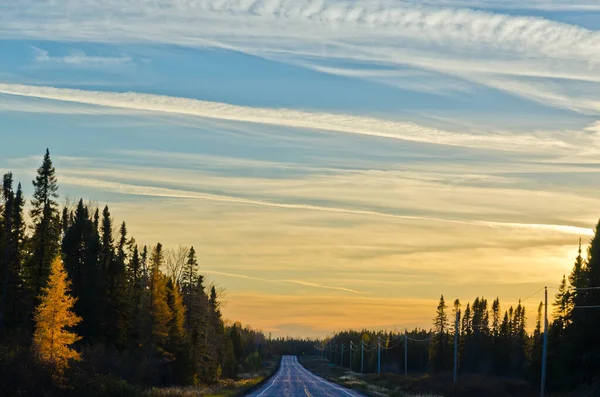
(188, 282)
(583, 331)
(159, 312)
(562, 303)
(176, 343)
(198, 331)
(46, 225)
(53, 317)
(8, 198)
(438, 354)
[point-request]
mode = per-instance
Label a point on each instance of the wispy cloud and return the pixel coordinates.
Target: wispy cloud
(284, 281)
(79, 58)
(140, 190)
(476, 45)
(344, 123)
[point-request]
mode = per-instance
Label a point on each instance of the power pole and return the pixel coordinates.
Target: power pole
(405, 352)
(378, 356)
(545, 351)
(362, 356)
(342, 359)
(456, 347)
(351, 348)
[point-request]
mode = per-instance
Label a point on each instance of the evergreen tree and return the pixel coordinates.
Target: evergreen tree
(53, 317)
(438, 356)
(585, 323)
(159, 312)
(561, 303)
(189, 280)
(198, 331)
(45, 242)
(8, 197)
(176, 343)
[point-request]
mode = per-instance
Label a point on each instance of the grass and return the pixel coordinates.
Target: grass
(419, 385)
(225, 388)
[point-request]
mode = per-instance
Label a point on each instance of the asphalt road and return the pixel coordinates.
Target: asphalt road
(293, 380)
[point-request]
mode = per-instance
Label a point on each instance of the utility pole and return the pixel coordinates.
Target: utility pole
(378, 356)
(351, 348)
(362, 356)
(342, 359)
(405, 352)
(456, 347)
(545, 351)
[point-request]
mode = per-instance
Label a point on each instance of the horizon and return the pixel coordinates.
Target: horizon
(336, 165)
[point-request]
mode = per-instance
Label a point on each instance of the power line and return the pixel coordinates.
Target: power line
(536, 292)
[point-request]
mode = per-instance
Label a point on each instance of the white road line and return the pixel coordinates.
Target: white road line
(323, 381)
(275, 378)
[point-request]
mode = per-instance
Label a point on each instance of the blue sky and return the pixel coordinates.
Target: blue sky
(319, 153)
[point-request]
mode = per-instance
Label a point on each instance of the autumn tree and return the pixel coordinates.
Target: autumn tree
(53, 317)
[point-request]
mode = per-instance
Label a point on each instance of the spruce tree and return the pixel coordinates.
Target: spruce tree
(585, 317)
(159, 312)
(188, 282)
(46, 226)
(8, 198)
(176, 343)
(561, 303)
(438, 354)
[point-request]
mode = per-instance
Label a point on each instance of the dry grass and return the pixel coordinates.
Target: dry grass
(424, 385)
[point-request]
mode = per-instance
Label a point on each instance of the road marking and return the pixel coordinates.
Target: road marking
(323, 381)
(275, 378)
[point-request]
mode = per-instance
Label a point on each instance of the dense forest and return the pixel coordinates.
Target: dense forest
(496, 342)
(82, 303)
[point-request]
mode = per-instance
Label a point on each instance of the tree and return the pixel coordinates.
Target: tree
(46, 225)
(176, 343)
(188, 282)
(8, 197)
(438, 355)
(175, 262)
(159, 311)
(585, 321)
(562, 303)
(53, 317)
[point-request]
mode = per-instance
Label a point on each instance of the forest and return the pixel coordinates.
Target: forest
(494, 342)
(83, 306)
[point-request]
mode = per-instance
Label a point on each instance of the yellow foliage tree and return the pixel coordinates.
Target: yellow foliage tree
(51, 341)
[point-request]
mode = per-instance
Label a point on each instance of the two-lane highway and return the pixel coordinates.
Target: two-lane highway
(293, 380)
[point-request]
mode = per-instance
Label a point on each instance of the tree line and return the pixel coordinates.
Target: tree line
(142, 314)
(495, 341)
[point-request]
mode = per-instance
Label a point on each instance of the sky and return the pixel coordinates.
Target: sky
(335, 164)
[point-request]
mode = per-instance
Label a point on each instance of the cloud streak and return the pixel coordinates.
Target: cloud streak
(476, 46)
(151, 191)
(367, 126)
(78, 58)
(284, 281)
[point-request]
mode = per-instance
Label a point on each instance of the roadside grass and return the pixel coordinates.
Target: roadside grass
(418, 385)
(225, 388)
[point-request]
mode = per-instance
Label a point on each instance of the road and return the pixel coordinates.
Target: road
(293, 380)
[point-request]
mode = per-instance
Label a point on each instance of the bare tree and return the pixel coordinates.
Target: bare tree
(175, 259)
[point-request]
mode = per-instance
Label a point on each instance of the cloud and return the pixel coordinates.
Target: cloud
(132, 189)
(361, 125)
(305, 32)
(78, 58)
(284, 281)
